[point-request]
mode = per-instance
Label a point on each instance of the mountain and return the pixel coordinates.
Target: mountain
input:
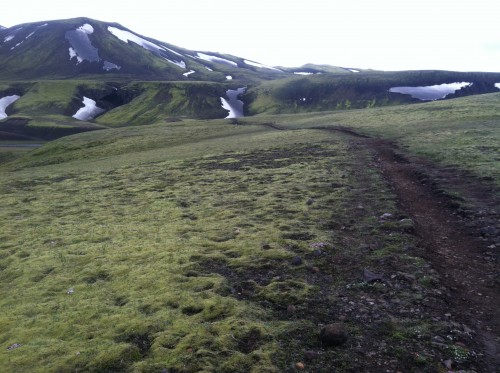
(87, 47)
(66, 76)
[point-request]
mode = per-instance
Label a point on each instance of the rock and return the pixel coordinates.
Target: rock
(266, 246)
(300, 366)
(439, 339)
(407, 225)
(297, 261)
(369, 276)
(14, 346)
(311, 355)
(319, 245)
(310, 201)
(291, 309)
(385, 216)
(489, 231)
(314, 269)
(333, 335)
(447, 364)
(70, 291)
(409, 277)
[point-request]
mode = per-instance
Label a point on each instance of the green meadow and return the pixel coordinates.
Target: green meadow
(175, 247)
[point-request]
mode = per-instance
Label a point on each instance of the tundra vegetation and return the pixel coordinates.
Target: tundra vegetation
(209, 246)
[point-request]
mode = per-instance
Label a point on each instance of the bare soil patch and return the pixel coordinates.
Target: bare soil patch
(460, 235)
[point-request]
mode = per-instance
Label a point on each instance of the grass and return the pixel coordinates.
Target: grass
(172, 246)
(126, 255)
(462, 133)
(158, 259)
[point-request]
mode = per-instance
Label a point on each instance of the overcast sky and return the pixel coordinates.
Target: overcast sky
(462, 35)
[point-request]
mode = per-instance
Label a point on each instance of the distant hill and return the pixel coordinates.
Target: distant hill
(87, 47)
(66, 76)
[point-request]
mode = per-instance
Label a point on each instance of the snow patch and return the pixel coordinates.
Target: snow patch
(127, 36)
(87, 28)
(497, 85)
(81, 47)
(110, 66)
(72, 54)
(89, 111)
(215, 59)
(189, 73)
(180, 63)
(5, 102)
(302, 73)
(232, 104)
(171, 50)
(30, 35)
(45, 24)
(229, 77)
(12, 35)
(208, 68)
(256, 64)
(17, 45)
(353, 70)
(432, 92)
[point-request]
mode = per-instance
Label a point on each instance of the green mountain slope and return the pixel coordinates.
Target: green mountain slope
(86, 47)
(55, 66)
(366, 89)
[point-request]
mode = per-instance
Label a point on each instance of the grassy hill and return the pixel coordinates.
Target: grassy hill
(344, 91)
(138, 80)
(202, 245)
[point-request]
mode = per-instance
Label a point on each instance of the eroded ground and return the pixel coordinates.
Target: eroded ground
(234, 261)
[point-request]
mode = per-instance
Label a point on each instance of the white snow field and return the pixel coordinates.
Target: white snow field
(232, 104)
(432, 92)
(110, 66)
(127, 36)
(89, 111)
(5, 102)
(256, 64)
(497, 85)
(81, 46)
(215, 59)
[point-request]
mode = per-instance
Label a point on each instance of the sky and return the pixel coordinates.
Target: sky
(460, 35)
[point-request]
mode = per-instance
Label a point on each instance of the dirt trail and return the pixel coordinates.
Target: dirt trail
(454, 239)
(456, 251)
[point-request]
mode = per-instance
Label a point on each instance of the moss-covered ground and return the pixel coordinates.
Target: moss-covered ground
(204, 246)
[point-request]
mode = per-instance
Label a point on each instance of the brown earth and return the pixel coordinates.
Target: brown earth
(457, 242)
(455, 229)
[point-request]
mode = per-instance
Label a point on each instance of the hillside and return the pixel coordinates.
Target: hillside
(67, 76)
(208, 246)
(79, 47)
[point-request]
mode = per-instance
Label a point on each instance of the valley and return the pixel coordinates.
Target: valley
(211, 246)
(169, 210)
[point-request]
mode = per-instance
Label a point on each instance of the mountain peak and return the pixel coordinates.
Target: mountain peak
(82, 46)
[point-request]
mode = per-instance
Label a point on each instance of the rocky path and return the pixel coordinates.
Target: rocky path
(459, 249)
